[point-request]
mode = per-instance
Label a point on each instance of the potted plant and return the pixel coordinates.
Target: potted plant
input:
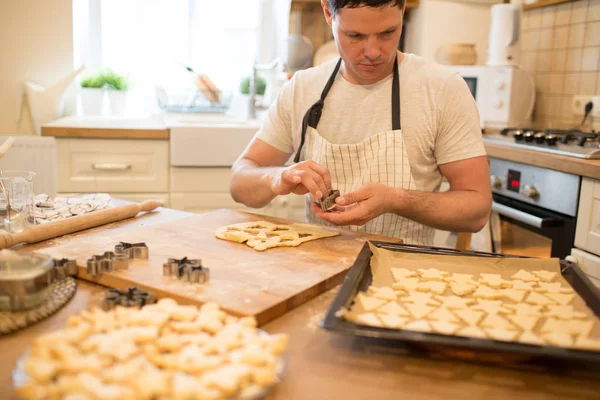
(92, 94)
(117, 87)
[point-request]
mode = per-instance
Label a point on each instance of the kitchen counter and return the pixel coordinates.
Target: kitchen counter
(322, 365)
(572, 165)
(151, 127)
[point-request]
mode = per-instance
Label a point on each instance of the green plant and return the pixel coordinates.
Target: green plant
(115, 81)
(107, 79)
(261, 85)
(92, 81)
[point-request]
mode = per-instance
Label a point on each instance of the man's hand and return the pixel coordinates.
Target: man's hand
(301, 178)
(359, 207)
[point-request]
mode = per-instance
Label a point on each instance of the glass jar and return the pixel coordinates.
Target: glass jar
(16, 200)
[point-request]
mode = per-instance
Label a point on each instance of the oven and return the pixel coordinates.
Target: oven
(534, 210)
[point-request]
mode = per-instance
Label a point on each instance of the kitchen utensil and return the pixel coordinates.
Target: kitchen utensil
(61, 291)
(54, 229)
(45, 104)
(300, 52)
(25, 279)
(16, 200)
(467, 348)
(504, 43)
(457, 54)
(188, 270)
(300, 48)
(325, 52)
(242, 280)
(6, 146)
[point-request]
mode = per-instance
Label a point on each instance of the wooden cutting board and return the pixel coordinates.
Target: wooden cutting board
(242, 280)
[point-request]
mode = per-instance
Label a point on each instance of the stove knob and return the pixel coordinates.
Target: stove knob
(528, 137)
(518, 135)
(531, 192)
(495, 182)
(539, 137)
(551, 140)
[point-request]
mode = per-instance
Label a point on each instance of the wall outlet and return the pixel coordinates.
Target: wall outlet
(579, 102)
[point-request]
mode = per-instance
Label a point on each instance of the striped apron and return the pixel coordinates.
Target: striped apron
(381, 158)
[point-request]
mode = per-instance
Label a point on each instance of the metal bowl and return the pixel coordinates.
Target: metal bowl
(25, 279)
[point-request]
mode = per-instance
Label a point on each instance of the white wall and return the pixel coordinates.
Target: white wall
(36, 44)
(438, 22)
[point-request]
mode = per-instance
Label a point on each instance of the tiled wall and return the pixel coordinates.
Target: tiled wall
(561, 46)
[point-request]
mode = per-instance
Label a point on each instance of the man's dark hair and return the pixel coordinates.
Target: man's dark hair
(335, 5)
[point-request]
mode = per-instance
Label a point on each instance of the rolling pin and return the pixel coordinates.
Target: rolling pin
(37, 233)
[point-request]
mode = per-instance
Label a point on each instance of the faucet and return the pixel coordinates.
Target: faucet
(252, 105)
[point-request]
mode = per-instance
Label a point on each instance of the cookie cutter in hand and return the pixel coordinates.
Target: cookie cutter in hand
(65, 267)
(328, 202)
(107, 262)
(133, 250)
(187, 270)
(132, 297)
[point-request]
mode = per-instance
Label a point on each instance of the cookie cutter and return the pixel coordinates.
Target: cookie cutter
(107, 262)
(328, 201)
(133, 250)
(187, 270)
(131, 297)
(65, 267)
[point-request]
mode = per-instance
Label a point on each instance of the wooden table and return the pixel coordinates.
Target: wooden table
(322, 365)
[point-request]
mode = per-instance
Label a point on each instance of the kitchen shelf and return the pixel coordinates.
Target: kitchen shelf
(543, 3)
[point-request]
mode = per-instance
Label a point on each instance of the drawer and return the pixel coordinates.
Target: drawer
(198, 179)
(113, 166)
(587, 235)
(589, 264)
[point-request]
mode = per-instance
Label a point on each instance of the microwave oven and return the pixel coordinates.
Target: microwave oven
(505, 96)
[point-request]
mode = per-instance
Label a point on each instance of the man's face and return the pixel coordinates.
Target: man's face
(367, 39)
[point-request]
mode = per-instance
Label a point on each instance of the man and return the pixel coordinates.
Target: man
(390, 127)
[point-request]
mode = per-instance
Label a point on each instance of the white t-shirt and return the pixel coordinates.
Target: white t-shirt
(439, 117)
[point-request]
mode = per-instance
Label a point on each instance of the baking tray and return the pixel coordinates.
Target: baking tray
(457, 347)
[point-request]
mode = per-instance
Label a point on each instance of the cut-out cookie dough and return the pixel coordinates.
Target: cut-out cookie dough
(525, 276)
(263, 235)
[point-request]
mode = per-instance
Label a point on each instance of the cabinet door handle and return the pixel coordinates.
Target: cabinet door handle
(111, 166)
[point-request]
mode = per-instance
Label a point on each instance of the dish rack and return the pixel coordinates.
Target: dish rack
(190, 101)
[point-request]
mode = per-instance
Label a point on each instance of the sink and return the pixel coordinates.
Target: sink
(209, 141)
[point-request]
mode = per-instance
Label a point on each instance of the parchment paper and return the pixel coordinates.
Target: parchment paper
(384, 260)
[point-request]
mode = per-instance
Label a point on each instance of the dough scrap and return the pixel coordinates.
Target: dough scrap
(263, 235)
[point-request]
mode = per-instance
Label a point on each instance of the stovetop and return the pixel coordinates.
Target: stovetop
(571, 143)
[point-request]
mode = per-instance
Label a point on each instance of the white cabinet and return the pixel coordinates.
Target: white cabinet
(589, 264)
(200, 190)
(130, 169)
(587, 235)
(113, 165)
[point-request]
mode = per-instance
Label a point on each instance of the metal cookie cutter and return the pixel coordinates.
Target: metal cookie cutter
(65, 267)
(132, 297)
(187, 270)
(133, 250)
(107, 262)
(328, 202)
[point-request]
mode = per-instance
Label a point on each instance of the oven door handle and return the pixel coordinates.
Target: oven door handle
(524, 217)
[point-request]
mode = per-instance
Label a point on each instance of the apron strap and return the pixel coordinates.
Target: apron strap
(396, 124)
(313, 115)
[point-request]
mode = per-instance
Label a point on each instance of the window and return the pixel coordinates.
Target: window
(152, 39)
